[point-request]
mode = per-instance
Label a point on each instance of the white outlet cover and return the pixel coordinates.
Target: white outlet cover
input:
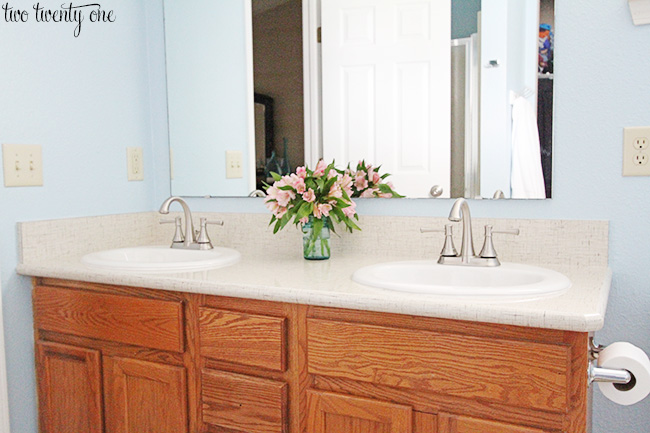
(635, 157)
(134, 163)
(22, 164)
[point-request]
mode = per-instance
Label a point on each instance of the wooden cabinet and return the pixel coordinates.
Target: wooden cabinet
(335, 413)
(242, 402)
(144, 396)
(69, 388)
(130, 360)
(460, 424)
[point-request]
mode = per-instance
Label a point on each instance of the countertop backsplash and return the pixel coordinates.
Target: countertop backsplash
(571, 243)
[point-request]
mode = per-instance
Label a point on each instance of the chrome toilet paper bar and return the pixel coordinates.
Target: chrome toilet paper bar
(599, 374)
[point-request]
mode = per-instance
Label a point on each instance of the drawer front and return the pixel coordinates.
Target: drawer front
(521, 374)
(244, 403)
(242, 338)
(141, 322)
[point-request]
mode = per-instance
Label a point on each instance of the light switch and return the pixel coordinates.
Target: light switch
(234, 168)
(23, 164)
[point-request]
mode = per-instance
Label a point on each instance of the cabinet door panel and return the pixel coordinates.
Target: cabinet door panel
(461, 424)
(335, 413)
(69, 389)
(143, 397)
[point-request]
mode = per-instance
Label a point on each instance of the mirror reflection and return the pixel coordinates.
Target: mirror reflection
(460, 106)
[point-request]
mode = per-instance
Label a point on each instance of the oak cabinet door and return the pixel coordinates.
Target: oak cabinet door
(144, 397)
(337, 413)
(69, 389)
(461, 424)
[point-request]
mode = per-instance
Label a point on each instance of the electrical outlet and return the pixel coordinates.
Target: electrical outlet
(640, 158)
(23, 164)
(636, 151)
(134, 163)
(234, 169)
(640, 143)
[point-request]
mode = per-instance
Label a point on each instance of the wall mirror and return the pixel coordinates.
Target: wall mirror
(455, 94)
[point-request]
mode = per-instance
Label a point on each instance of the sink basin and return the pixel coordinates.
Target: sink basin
(428, 277)
(160, 259)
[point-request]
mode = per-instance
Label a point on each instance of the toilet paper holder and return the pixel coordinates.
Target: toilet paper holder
(599, 374)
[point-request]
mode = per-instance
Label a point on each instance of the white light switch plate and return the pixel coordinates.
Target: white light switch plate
(234, 161)
(23, 164)
(640, 10)
(636, 151)
(134, 164)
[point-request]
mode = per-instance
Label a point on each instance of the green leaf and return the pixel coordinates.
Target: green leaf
(305, 210)
(276, 176)
(328, 185)
(284, 220)
(317, 227)
(351, 224)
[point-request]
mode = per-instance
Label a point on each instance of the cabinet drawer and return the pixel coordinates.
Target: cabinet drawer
(141, 322)
(244, 403)
(522, 374)
(242, 338)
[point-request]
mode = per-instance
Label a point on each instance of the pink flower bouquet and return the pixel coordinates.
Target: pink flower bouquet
(369, 183)
(324, 194)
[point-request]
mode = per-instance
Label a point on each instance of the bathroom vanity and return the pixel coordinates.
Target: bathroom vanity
(279, 344)
(136, 360)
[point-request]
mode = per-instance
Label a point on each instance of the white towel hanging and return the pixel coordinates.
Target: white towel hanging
(527, 179)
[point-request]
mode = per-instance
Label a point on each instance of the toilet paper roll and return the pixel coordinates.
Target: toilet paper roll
(622, 355)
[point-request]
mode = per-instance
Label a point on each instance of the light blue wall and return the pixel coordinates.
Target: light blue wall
(86, 99)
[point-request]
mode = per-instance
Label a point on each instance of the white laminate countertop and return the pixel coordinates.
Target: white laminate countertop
(328, 283)
(272, 267)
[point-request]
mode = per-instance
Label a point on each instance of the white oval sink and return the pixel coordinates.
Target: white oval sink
(428, 277)
(160, 259)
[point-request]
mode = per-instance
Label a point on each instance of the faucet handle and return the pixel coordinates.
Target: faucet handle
(488, 250)
(448, 249)
(203, 239)
(178, 233)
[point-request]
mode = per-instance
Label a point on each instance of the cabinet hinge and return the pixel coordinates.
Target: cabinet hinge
(318, 35)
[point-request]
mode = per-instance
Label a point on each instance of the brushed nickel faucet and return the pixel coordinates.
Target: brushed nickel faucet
(188, 238)
(467, 256)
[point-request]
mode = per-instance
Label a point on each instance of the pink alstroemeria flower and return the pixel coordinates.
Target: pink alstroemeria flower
(335, 191)
(309, 196)
(301, 172)
(350, 211)
(285, 196)
(360, 181)
(323, 209)
(320, 168)
(370, 192)
(298, 183)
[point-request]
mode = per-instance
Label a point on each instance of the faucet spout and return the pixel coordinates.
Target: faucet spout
(460, 212)
(189, 225)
